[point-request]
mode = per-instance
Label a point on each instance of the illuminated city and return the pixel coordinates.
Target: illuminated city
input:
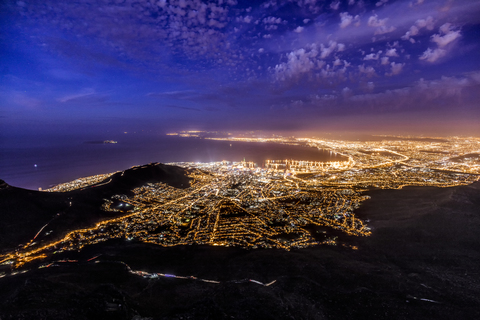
(283, 204)
(240, 159)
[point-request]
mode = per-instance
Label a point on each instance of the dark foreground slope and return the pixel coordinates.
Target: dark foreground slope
(23, 212)
(421, 262)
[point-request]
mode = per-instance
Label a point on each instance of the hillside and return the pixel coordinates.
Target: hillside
(24, 211)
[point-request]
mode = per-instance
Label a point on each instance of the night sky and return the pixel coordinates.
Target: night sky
(385, 65)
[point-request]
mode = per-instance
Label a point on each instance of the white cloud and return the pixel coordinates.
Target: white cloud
(373, 21)
(448, 37)
(433, 55)
(445, 28)
(391, 53)
(340, 47)
(298, 29)
(372, 56)
(299, 61)
(326, 51)
(442, 41)
(397, 67)
(380, 24)
(272, 20)
(346, 19)
(425, 23)
(415, 29)
(412, 32)
(384, 60)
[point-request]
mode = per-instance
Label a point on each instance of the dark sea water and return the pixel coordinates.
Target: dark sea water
(43, 162)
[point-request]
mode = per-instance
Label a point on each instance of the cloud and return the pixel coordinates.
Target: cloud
(370, 86)
(345, 19)
(206, 98)
(396, 68)
(391, 53)
(180, 95)
(433, 55)
(445, 92)
(335, 5)
(77, 96)
(384, 60)
(380, 24)
(447, 87)
(272, 20)
(347, 92)
(373, 21)
(369, 71)
(183, 108)
(299, 61)
(298, 29)
(384, 29)
(425, 23)
(419, 24)
(187, 28)
(445, 36)
(449, 35)
(381, 3)
(326, 51)
(315, 63)
(372, 56)
(246, 19)
(417, 2)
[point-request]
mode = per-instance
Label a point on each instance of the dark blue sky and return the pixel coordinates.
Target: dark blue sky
(399, 66)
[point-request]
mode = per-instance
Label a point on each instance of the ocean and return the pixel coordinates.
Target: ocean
(43, 162)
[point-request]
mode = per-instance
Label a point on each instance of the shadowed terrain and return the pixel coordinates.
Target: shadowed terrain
(23, 212)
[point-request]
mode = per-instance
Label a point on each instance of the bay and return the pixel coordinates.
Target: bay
(43, 162)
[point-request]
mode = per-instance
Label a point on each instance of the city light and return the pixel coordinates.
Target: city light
(284, 204)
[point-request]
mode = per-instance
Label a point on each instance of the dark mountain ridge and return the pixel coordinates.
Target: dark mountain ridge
(23, 212)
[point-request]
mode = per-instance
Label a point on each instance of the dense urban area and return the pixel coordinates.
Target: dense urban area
(281, 203)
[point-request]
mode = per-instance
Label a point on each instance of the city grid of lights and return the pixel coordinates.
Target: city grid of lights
(283, 204)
